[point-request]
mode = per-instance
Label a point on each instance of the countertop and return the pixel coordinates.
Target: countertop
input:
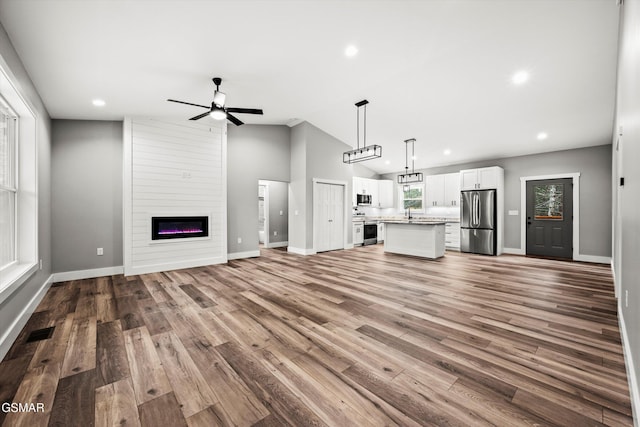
(414, 221)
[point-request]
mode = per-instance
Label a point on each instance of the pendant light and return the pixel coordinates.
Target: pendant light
(366, 152)
(406, 177)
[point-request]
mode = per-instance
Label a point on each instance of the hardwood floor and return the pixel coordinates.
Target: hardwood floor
(345, 338)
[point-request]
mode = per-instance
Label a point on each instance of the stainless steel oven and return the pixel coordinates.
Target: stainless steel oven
(370, 233)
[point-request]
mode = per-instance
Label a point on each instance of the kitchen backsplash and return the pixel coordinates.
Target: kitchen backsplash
(437, 211)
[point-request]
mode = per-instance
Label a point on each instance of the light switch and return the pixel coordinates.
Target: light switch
(100, 251)
(281, 213)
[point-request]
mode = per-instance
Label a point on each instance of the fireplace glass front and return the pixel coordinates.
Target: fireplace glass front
(179, 227)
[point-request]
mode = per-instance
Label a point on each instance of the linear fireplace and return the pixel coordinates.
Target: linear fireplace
(179, 227)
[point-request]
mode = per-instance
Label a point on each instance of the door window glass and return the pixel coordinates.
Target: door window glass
(548, 201)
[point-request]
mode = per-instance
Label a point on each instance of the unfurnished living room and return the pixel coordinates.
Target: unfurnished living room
(328, 213)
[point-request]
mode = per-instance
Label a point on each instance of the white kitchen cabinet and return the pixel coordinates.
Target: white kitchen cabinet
(385, 193)
(380, 232)
(434, 190)
(452, 235)
(381, 191)
(482, 178)
(452, 189)
(358, 233)
(442, 190)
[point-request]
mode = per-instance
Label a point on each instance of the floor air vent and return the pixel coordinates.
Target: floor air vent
(40, 334)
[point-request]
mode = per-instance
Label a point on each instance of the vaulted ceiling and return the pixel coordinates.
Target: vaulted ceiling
(439, 71)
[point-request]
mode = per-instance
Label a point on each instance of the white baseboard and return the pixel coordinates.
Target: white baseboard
(301, 251)
(350, 246)
(277, 244)
(247, 254)
(631, 371)
(87, 274)
(593, 258)
(12, 332)
(513, 251)
(176, 265)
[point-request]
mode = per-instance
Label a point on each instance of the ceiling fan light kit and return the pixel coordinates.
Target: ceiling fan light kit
(366, 152)
(406, 177)
(217, 110)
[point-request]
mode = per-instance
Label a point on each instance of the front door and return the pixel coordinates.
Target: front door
(550, 218)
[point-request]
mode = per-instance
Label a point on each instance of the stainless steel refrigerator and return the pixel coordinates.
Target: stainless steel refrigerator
(478, 223)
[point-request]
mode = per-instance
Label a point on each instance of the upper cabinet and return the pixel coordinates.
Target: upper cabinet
(381, 191)
(442, 190)
(482, 178)
(385, 193)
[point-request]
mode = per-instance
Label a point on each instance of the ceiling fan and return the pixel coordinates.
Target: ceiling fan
(217, 110)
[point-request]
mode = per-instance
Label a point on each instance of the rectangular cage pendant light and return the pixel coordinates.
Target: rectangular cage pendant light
(367, 152)
(410, 178)
(406, 177)
(362, 154)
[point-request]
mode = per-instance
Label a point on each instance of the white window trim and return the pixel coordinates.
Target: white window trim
(14, 275)
(401, 197)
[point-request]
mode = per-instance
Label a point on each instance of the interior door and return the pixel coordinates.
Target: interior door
(550, 218)
(330, 217)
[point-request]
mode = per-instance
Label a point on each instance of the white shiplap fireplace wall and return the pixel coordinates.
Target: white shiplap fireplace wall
(173, 169)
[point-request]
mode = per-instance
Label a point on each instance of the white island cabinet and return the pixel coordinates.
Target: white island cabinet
(417, 238)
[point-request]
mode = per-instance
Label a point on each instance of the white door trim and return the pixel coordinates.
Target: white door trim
(345, 203)
(576, 211)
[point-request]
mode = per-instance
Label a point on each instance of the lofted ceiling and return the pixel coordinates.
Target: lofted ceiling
(439, 71)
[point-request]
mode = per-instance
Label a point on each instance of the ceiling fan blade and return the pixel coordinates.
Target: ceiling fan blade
(199, 116)
(234, 119)
(245, 110)
(189, 103)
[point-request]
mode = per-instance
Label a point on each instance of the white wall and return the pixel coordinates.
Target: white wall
(173, 169)
(626, 204)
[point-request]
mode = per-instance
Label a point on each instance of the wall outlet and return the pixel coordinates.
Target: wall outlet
(100, 251)
(40, 264)
(239, 240)
(281, 213)
(626, 298)
(275, 233)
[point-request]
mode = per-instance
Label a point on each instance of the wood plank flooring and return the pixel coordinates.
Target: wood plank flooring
(345, 338)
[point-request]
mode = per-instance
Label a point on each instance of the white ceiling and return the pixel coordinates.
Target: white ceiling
(435, 70)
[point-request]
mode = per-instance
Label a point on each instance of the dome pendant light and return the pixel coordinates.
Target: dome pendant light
(406, 177)
(366, 152)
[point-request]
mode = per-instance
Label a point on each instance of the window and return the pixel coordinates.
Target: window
(8, 190)
(412, 196)
(548, 201)
(18, 186)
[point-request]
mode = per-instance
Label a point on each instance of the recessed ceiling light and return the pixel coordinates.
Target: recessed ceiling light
(542, 136)
(447, 152)
(98, 102)
(351, 50)
(387, 162)
(520, 77)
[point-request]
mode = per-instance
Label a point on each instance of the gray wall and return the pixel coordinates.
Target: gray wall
(86, 210)
(594, 165)
(11, 308)
(254, 152)
(316, 154)
(627, 236)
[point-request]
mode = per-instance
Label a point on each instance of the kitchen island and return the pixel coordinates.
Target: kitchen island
(415, 237)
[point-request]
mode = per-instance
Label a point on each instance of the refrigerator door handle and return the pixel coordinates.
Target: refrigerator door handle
(478, 210)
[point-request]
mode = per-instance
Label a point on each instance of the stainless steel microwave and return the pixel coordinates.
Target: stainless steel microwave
(364, 199)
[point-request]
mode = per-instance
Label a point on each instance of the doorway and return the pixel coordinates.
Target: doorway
(273, 214)
(549, 212)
